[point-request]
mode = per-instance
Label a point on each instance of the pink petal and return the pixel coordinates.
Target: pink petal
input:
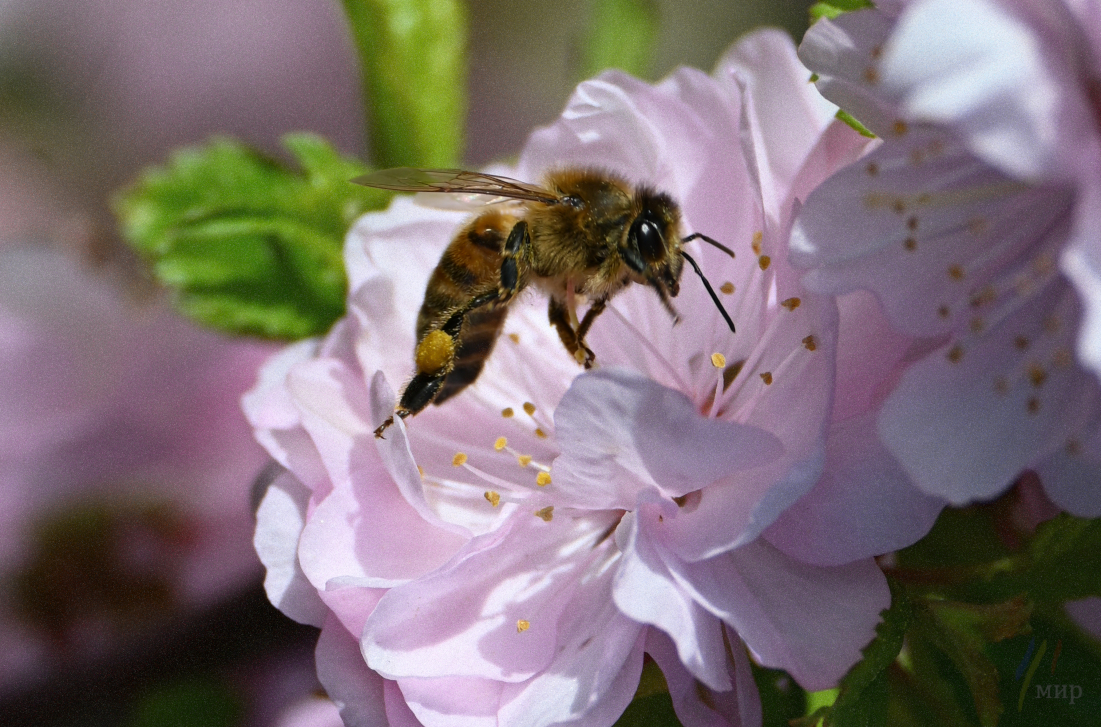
(864, 505)
(279, 521)
(1031, 400)
(462, 619)
(451, 701)
(1072, 475)
(624, 431)
(595, 670)
(356, 690)
(647, 592)
(699, 706)
(811, 621)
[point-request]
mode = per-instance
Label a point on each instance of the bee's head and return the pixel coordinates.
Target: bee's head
(651, 248)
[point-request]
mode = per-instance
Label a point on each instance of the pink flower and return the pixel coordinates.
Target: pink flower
(508, 557)
(959, 222)
(125, 466)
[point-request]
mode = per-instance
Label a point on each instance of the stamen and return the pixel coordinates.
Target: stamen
(767, 378)
(514, 337)
(540, 433)
(758, 236)
(727, 288)
(764, 261)
(546, 514)
(529, 408)
(718, 360)
(542, 479)
(500, 444)
(494, 498)
(791, 303)
(507, 412)
(522, 626)
(811, 343)
(459, 459)
(524, 459)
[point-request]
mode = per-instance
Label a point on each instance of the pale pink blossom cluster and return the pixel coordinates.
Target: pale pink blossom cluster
(976, 224)
(125, 465)
(509, 557)
(915, 328)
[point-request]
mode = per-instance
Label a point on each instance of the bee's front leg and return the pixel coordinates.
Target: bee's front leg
(517, 246)
(595, 309)
(559, 315)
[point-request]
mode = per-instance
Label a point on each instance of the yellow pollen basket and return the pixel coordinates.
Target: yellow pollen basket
(435, 353)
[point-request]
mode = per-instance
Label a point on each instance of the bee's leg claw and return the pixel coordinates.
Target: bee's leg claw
(380, 430)
(584, 356)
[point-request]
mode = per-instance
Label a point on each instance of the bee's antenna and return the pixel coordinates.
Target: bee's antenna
(709, 241)
(710, 290)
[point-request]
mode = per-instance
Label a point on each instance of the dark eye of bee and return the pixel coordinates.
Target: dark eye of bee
(647, 237)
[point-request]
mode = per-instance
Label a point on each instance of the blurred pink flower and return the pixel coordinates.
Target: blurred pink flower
(125, 466)
(506, 558)
(958, 223)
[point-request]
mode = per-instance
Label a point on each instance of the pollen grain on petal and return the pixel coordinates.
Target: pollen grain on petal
(524, 459)
(459, 459)
(545, 514)
(514, 337)
(543, 479)
(529, 408)
(764, 261)
(500, 444)
(791, 303)
(767, 378)
(1037, 375)
(522, 626)
(493, 498)
(507, 412)
(810, 343)
(718, 360)
(727, 288)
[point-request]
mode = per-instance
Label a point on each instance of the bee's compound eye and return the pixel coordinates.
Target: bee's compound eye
(647, 237)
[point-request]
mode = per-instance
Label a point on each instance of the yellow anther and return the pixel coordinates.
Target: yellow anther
(899, 127)
(767, 378)
(543, 479)
(727, 287)
(524, 460)
(522, 626)
(764, 261)
(718, 360)
(955, 353)
(540, 433)
(459, 459)
(514, 337)
(546, 514)
(810, 342)
(756, 245)
(955, 272)
(493, 498)
(500, 444)
(791, 303)
(529, 408)
(507, 412)
(421, 471)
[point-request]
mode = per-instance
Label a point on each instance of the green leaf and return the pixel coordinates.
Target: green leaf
(622, 34)
(962, 631)
(200, 701)
(858, 127)
(833, 8)
(249, 245)
(412, 54)
(782, 699)
(1065, 560)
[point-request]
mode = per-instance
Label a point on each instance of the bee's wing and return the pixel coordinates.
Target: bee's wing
(457, 181)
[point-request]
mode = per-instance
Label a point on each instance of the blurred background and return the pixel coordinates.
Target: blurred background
(129, 591)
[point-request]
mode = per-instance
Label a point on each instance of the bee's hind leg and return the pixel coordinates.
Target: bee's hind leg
(435, 358)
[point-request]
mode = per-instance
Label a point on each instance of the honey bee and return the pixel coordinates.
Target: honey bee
(584, 233)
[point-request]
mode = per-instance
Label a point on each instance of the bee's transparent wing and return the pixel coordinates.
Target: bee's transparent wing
(457, 181)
